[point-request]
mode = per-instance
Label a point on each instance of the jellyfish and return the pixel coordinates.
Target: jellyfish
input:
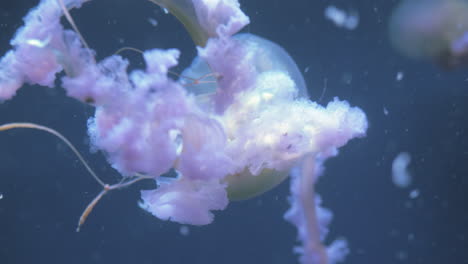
(235, 124)
(435, 30)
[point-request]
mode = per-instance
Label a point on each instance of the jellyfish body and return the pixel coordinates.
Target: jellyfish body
(236, 135)
(431, 29)
(266, 57)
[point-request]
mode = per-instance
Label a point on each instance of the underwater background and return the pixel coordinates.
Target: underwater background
(412, 106)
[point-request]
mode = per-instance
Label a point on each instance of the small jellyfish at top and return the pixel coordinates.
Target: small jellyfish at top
(434, 30)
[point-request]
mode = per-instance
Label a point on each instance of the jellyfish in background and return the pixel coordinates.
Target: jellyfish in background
(435, 30)
(232, 134)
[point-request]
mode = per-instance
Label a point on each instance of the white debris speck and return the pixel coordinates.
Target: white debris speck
(165, 11)
(385, 111)
(306, 70)
(414, 194)
(348, 20)
(400, 174)
(153, 21)
(1, 196)
(399, 76)
(184, 230)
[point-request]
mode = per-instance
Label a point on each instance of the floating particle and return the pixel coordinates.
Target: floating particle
(306, 70)
(348, 20)
(385, 111)
(1, 196)
(184, 230)
(400, 174)
(153, 21)
(414, 194)
(399, 76)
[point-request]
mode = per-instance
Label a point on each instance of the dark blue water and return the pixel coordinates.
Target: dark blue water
(44, 189)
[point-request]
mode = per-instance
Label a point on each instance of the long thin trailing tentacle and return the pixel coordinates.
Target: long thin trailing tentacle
(72, 23)
(128, 48)
(90, 207)
(49, 130)
(106, 187)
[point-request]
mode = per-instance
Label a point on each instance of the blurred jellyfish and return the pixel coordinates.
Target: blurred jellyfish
(435, 30)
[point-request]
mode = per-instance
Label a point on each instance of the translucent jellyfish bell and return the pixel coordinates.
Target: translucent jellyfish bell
(431, 29)
(268, 57)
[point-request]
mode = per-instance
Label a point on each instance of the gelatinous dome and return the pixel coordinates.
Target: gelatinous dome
(267, 57)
